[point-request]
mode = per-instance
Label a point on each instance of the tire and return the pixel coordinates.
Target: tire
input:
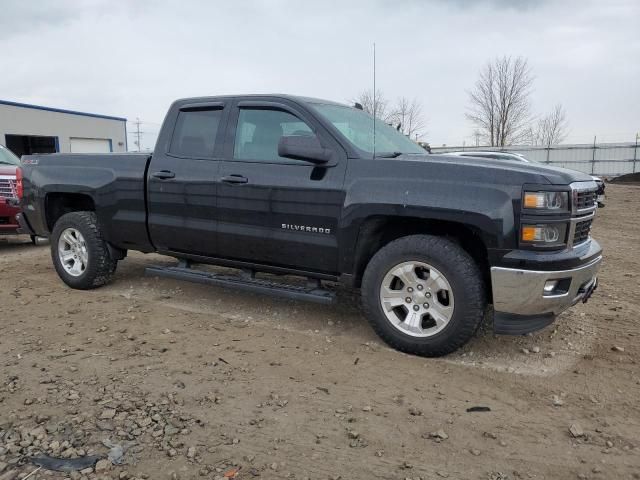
(459, 293)
(99, 266)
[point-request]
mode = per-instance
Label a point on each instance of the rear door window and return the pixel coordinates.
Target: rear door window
(195, 133)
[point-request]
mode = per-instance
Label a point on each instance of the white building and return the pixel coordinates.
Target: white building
(27, 129)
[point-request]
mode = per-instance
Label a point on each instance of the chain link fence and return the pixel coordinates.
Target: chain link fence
(606, 159)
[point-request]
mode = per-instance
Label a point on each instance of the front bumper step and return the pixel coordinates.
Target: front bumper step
(512, 324)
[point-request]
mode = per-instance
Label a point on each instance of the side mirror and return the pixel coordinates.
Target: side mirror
(303, 147)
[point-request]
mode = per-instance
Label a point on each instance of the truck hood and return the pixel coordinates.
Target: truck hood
(536, 172)
(7, 169)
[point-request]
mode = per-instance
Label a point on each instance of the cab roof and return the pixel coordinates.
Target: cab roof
(294, 98)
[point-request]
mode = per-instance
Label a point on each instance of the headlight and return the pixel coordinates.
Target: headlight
(556, 201)
(546, 235)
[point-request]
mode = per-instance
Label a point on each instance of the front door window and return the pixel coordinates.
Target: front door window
(259, 131)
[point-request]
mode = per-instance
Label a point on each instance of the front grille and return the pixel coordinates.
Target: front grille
(586, 199)
(7, 188)
(582, 231)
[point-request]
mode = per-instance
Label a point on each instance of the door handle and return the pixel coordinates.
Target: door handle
(163, 174)
(234, 179)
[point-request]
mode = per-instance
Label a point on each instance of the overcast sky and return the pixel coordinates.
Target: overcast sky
(132, 59)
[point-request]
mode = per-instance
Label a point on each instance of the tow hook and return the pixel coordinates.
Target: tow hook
(590, 291)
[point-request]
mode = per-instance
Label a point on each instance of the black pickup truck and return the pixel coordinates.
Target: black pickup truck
(311, 188)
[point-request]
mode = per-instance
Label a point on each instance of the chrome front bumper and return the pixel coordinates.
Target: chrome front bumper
(521, 292)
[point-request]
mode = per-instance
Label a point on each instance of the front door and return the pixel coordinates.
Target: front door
(273, 210)
(181, 182)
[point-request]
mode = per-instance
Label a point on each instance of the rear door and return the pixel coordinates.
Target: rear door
(181, 181)
(273, 210)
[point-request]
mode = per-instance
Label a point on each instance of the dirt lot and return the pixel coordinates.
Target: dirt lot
(198, 382)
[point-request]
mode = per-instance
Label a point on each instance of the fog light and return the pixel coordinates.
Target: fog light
(550, 286)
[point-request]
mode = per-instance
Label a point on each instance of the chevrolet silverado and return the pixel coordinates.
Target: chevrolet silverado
(312, 188)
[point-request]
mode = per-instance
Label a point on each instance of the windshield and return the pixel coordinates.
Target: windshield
(7, 157)
(357, 127)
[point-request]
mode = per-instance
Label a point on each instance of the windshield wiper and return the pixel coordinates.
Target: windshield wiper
(388, 154)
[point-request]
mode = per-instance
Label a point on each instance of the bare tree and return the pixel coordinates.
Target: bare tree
(407, 116)
(377, 106)
(500, 106)
(550, 129)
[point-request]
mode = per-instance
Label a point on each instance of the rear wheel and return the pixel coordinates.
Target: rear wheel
(423, 295)
(79, 252)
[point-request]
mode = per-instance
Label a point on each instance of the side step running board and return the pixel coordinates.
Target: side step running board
(313, 292)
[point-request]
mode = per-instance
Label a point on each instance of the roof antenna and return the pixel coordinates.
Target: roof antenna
(375, 106)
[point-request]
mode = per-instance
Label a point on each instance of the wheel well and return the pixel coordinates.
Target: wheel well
(379, 231)
(58, 204)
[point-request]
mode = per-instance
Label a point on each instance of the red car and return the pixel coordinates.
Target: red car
(8, 184)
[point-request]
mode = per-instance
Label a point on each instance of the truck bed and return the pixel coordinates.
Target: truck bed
(114, 183)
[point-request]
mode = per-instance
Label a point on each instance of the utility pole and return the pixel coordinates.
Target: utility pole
(476, 134)
(138, 133)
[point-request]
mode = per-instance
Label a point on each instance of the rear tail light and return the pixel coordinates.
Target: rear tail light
(19, 184)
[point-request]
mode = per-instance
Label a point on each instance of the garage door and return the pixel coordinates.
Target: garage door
(90, 145)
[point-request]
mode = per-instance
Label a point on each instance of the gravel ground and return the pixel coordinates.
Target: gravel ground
(201, 382)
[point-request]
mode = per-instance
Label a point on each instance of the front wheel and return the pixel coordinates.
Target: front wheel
(79, 252)
(423, 295)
